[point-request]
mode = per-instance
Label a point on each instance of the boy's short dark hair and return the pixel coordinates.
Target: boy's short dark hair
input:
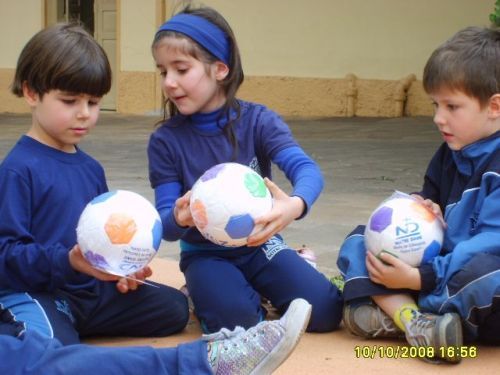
(63, 57)
(469, 62)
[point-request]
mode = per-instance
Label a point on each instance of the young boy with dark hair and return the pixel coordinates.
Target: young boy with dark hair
(458, 292)
(46, 180)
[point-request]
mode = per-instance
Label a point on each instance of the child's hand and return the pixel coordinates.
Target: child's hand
(80, 264)
(433, 207)
(392, 272)
(133, 281)
(182, 212)
(285, 210)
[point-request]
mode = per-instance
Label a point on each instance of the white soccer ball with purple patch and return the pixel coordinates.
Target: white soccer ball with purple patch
(226, 200)
(405, 228)
(119, 232)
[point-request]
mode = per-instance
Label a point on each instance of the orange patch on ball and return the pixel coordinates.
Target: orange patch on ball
(423, 212)
(120, 228)
(199, 213)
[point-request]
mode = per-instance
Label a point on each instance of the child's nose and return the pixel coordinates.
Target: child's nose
(170, 81)
(438, 117)
(84, 110)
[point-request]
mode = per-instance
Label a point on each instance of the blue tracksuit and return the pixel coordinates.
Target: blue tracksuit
(42, 193)
(226, 283)
(465, 277)
(37, 354)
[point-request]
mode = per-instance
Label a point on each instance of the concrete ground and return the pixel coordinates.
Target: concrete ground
(363, 161)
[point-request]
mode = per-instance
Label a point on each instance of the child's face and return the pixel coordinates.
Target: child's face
(460, 118)
(186, 81)
(61, 119)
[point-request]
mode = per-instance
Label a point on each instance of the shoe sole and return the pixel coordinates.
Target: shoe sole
(298, 311)
(452, 327)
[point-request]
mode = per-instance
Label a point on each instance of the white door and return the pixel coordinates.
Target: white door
(105, 34)
(99, 20)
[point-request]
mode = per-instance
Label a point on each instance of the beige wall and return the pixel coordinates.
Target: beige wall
(377, 39)
(19, 20)
(317, 58)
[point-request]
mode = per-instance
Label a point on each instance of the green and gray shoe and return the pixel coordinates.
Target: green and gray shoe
(338, 281)
(438, 332)
(365, 319)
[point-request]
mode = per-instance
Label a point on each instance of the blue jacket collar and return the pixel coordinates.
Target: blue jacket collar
(471, 156)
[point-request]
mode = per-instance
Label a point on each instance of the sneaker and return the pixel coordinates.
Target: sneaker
(338, 281)
(185, 291)
(366, 319)
(260, 349)
(437, 331)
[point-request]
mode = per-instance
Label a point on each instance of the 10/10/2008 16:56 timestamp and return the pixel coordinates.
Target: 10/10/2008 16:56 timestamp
(391, 351)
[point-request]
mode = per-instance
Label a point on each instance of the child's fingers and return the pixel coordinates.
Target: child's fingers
(389, 259)
(371, 263)
(122, 285)
(274, 189)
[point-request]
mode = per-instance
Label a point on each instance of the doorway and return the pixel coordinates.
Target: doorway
(99, 18)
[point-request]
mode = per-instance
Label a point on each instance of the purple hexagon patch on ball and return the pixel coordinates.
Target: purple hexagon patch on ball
(381, 219)
(212, 172)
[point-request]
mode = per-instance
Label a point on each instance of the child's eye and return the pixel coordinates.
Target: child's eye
(452, 107)
(182, 71)
(68, 101)
(163, 73)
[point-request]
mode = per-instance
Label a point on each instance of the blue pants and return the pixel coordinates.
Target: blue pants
(226, 286)
(101, 310)
(38, 354)
(473, 292)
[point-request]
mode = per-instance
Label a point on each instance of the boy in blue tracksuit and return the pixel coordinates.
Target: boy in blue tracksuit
(458, 292)
(46, 285)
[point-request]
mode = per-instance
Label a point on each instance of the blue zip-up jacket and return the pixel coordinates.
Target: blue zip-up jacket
(466, 184)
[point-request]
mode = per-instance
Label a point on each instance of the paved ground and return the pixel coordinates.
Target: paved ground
(363, 160)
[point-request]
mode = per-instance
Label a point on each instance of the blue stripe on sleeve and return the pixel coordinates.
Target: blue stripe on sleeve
(302, 172)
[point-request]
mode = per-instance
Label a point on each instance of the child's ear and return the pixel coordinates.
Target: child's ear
(221, 70)
(494, 106)
(30, 95)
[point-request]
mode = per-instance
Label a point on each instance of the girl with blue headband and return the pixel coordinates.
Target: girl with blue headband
(204, 125)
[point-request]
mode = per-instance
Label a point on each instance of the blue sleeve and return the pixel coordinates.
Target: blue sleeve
(302, 172)
(165, 197)
(24, 264)
(35, 354)
(486, 239)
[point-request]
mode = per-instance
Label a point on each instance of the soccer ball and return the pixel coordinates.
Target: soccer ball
(405, 228)
(225, 201)
(119, 232)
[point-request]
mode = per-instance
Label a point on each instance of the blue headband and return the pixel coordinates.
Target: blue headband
(204, 32)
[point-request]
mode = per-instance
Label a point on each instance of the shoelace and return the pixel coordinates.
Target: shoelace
(415, 329)
(386, 323)
(223, 334)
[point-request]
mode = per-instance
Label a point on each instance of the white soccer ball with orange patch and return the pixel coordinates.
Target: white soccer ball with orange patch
(226, 200)
(119, 232)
